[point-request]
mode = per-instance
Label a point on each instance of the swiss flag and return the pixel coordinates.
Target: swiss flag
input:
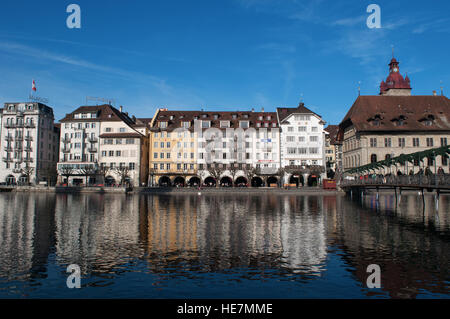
(33, 86)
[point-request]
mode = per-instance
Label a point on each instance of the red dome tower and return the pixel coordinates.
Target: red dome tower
(395, 84)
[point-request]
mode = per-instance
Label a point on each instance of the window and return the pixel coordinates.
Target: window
(111, 153)
(131, 166)
(416, 142)
(163, 124)
(291, 150)
(373, 158)
(224, 124)
(290, 138)
(155, 166)
(401, 142)
(162, 144)
(108, 129)
(429, 141)
(444, 160)
(301, 138)
(290, 129)
(313, 138)
(155, 144)
(118, 153)
(118, 141)
(302, 128)
(373, 142)
(314, 129)
(302, 150)
(168, 155)
(206, 124)
(161, 155)
(243, 124)
(168, 144)
(161, 166)
(314, 150)
(122, 130)
(443, 141)
(155, 155)
(185, 124)
(387, 142)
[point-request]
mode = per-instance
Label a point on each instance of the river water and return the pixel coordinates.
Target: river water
(243, 245)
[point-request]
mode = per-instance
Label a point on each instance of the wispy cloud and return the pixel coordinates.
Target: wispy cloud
(439, 25)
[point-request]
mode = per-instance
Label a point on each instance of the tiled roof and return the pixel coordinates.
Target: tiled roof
(104, 113)
(399, 113)
(333, 132)
(284, 112)
(174, 119)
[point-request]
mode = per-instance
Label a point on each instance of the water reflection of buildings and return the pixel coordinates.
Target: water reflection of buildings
(25, 238)
(97, 232)
(412, 255)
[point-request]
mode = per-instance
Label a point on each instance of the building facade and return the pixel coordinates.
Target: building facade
(302, 144)
(214, 148)
(102, 145)
(395, 123)
(29, 144)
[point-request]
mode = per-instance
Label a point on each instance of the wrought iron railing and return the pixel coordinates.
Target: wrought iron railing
(403, 180)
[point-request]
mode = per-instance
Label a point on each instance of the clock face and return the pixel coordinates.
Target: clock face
(395, 69)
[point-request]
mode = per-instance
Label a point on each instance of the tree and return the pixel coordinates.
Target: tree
(27, 171)
(123, 173)
(88, 171)
(67, 171)
(50, 174)
(250, 173)
(233, 169)
(215, 171)
(280, 173)
(103, 170)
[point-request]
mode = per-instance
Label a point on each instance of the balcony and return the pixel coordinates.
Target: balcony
(92, 139)
(7, 159)
(17, 170)
(10, 125)
(66, 140)
(8, 138)
(29, 125)
(65, 150)
(18, 160)
(19, 138)
(92, 150)
(28, 160)
(28, 149)
(8, 148)
(28, 138)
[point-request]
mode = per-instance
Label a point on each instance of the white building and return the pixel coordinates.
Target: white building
(102, 145)
(302, 145)
(29, 143)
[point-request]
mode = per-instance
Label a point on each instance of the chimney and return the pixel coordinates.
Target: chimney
(253, 109)
(434, 93)
(120, 109)
(262, 109)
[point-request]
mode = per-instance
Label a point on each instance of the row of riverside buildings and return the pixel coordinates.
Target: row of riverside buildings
(103, 145)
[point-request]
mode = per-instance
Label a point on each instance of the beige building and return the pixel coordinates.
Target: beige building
(394, 123)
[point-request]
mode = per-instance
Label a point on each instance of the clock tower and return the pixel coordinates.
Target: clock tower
(395, 83)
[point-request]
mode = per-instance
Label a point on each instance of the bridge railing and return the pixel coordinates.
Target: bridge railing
(413, 180)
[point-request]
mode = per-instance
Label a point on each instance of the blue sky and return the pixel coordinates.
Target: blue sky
(227, 54)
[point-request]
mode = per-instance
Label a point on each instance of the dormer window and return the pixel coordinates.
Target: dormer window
(204, 116)
(245, 116)
(269, 118)
(400, 121)
(206, 124)
(163, 124)
(376, 120)
(260, 117)
(428, 120)
(171, 117)
(234, 116)
(216, 116)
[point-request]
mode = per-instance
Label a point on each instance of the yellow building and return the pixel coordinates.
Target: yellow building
(173, 149)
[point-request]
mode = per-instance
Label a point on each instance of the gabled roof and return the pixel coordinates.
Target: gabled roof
(285, 112)
(103, 112)
(174, 119)
(333, 132)
(385, 113)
